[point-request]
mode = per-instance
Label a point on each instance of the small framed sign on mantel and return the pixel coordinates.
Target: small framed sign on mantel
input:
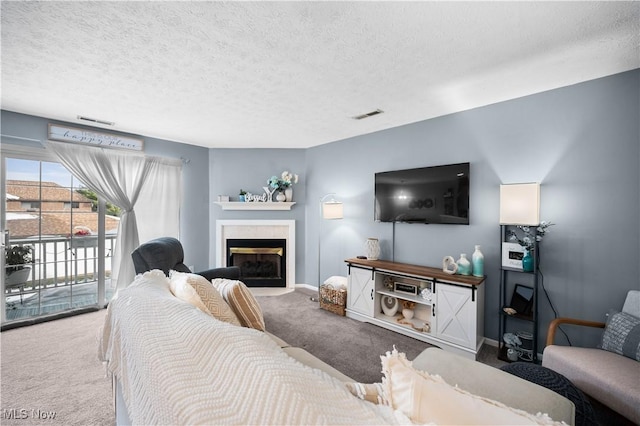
(90, 137)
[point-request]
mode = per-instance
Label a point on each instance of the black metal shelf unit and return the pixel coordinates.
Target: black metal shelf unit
(508, 275)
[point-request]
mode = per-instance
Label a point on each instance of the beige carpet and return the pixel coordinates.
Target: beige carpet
(350, 346)
(53, 367)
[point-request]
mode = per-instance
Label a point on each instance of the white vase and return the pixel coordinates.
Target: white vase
(280, 197)
(464, 266)
(372, 248)
(288, 193)
(407, 313)
(477, 260)
(389, 305)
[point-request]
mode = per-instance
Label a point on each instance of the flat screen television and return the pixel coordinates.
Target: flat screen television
(438, 194)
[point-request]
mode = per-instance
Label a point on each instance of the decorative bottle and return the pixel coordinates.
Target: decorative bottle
(372, 247)
(464, 266)
(477, 260)
(527, 262)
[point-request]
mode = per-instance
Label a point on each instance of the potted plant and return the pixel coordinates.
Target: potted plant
(83, 237)
(531, 236)
(288, 179)
(241, 196)
(16, 259)
(282, 185)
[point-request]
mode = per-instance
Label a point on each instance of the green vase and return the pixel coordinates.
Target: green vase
(527, 262)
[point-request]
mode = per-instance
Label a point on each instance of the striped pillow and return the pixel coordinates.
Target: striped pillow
(243, 303)
(211, 298)
(622, 335)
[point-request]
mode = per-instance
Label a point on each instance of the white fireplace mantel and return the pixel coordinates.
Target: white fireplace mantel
(258, 229)
(236, 205)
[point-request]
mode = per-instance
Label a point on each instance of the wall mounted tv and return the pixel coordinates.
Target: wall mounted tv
(438, 194)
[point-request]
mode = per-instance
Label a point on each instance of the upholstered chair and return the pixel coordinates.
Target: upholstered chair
(166, 253)
(609, 373)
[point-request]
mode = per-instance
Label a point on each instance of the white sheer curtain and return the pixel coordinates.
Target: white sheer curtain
(127, 179)
(158, 206)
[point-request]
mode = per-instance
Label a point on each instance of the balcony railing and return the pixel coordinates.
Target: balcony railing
(57, 263)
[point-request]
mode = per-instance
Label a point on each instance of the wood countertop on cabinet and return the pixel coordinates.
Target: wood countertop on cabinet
(416, 270)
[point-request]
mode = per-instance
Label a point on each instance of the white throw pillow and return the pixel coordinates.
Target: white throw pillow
(337, 282)
(371, 392)
(429, 399)
(210, 297)
(183, 291)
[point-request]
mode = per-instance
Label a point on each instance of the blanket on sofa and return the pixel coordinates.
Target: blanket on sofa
(178, 365)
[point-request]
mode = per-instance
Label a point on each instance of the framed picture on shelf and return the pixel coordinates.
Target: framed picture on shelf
(405, 288)
(512, 255)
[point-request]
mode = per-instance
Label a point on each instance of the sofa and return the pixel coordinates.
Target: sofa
(178, 359)
(609, 373)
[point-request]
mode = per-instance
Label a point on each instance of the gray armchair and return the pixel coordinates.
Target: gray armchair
(166, 253)
(608, 377)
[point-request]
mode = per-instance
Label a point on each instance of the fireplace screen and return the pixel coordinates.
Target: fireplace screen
(262, 263)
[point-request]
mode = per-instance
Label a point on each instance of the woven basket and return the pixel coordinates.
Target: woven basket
(333, 300)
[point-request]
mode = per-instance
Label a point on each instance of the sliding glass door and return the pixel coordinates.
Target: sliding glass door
(59, 239)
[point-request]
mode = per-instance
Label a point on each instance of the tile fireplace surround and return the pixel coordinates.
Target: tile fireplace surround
(259, 229)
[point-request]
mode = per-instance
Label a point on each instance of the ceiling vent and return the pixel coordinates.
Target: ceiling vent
(96, 121)
(368, 114)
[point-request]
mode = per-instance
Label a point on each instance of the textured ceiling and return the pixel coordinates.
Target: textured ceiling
(292, 74)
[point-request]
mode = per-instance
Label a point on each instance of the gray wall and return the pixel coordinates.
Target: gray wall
(233, 169)
(581, 142)
(194, 199)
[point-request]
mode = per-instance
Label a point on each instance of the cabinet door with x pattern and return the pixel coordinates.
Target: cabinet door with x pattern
(455, 311)
(361, 292)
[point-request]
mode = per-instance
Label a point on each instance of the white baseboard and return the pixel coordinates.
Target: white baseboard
(307, 287)
(270, 291)
(491, 342)
(278, 291)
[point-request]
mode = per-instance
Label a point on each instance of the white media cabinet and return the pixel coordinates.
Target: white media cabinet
(454, 313)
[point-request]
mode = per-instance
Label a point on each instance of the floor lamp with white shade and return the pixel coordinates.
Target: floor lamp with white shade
(330, 209)
(520, 204)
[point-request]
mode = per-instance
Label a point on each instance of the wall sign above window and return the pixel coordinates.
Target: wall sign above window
(89, 137)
